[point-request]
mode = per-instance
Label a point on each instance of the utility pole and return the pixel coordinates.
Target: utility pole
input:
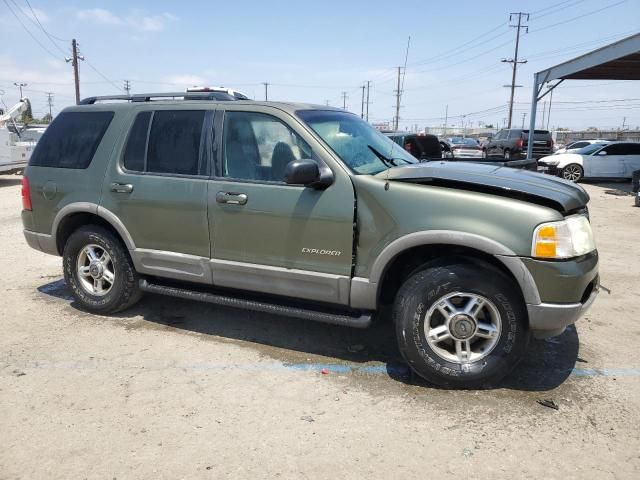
(74, 62)
(127, 87)
(266, 91)
(514, 61)
(544, 110)
(362, 106)
(549, 111)
(344, 100)
(446, 119)
(398, 93)
(524, 115)
(20, 85)
(50, 103)
(326, 102)
(624, 121)
(367, 111)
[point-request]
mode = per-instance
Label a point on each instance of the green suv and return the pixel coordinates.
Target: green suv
(309, 212)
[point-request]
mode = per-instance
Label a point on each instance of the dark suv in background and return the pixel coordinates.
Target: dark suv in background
(511, 144)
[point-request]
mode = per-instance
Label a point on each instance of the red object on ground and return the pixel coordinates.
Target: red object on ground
(324, 371)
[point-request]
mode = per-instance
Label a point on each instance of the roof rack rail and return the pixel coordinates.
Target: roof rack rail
(147, 97)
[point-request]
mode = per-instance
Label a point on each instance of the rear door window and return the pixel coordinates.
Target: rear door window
(136, 150)
(618, 149)
(71, 140)
(174, 142)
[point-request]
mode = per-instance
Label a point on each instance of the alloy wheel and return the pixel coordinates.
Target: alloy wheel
(95, 268)
(462, 327)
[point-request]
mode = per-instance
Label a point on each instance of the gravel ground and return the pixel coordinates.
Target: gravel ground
(175, 389)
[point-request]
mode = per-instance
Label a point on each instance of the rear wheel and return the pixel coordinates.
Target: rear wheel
(99, 271)
(456, 329)
(573, 172)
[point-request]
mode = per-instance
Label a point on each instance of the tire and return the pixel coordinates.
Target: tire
(635, 181)
(572, 172)
(507, 154)
(93, 290)
(483, 361)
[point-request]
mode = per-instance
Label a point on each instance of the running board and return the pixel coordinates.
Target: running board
(357, 320)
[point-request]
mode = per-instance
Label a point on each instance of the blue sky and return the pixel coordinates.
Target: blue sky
(313, 51)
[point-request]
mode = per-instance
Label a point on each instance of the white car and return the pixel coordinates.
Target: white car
(579, 144)
(611, 160)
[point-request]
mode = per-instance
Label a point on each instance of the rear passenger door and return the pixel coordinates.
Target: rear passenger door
(268, 236)
(157, 188)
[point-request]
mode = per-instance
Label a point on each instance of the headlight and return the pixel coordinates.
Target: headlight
(553, 163)
(571, 237)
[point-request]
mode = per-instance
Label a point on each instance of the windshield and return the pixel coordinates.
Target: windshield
(589, 149)
(356, 142)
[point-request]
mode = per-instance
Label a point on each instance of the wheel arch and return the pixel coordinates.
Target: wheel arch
(74, 215)
(409, 252)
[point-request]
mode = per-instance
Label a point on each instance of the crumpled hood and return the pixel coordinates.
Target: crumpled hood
(548, 190)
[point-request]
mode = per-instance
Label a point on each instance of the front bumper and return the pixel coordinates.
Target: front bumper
(551, 319)
(567, 289)
(548, 169)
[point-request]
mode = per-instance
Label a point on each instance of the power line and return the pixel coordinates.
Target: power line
(39, 24)
(29, 31)
(555, 8)
(473, 40)
(103, 76)
(593, 12)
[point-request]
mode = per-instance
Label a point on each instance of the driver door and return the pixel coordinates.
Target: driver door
(268, 236)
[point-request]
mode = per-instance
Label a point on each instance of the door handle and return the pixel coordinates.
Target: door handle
(231, 198)
(121, 187)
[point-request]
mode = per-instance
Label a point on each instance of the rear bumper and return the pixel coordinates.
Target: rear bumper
(551, 319)
(40, 241)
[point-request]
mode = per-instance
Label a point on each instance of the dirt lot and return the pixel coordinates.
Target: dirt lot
(173, 389)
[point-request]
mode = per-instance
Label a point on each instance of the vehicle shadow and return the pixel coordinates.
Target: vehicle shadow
(10, 180)
(612, 187)
(292, 341)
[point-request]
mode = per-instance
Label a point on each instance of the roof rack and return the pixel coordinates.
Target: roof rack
(148, 97)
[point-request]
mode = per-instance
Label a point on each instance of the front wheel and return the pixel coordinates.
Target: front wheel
(99, 271)
(507, 155)
(573, 172)
(456, 329)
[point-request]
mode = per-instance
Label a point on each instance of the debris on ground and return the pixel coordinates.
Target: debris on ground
(549, 403)
(307, 418)
(466, 453)
(324, 371)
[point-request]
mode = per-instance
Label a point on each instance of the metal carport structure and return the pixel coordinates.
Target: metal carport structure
(617, 61)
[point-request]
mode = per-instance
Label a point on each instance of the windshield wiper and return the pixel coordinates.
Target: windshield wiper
(388, 162)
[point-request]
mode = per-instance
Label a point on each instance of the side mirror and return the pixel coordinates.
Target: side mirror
(301, 172)
(602, 153)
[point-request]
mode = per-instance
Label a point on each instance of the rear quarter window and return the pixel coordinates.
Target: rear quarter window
(71, 140)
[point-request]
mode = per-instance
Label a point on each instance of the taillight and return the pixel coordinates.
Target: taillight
(26, 194)
(519, 143)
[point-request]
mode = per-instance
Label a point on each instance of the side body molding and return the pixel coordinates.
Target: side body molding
(364, 292)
